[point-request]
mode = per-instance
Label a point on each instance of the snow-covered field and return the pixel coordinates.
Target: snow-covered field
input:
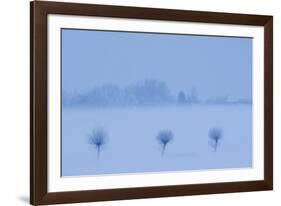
(132, 145)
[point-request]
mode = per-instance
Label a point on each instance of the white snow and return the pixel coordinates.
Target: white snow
(132, 145)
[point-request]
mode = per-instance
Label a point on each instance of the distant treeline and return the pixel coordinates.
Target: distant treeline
(146, 93)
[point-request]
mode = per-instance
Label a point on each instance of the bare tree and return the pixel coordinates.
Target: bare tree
(215, 135)
(164, 137)
(98, 139)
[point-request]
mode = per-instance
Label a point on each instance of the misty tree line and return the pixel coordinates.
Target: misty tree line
(188, 98)
(148, 92)
(98, 138)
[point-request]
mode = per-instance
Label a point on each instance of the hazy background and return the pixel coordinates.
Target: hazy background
(215, 66)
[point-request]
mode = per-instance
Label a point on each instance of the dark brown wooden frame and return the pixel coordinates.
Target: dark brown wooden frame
(39, 194)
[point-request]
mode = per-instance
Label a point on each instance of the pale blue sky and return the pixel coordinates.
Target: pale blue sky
(216, 66)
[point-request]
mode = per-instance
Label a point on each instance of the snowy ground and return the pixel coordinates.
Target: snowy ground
(132, 145)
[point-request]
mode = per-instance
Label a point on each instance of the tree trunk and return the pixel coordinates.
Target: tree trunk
(163, 149)
(216, 145)
(98, 153)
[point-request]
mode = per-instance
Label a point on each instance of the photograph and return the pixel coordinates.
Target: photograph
(143, 102)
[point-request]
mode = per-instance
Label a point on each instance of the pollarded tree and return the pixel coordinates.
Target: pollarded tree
(98, 139)
(215, 135)
(164, 137)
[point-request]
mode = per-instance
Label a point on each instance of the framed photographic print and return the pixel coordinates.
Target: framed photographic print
(131, 102)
